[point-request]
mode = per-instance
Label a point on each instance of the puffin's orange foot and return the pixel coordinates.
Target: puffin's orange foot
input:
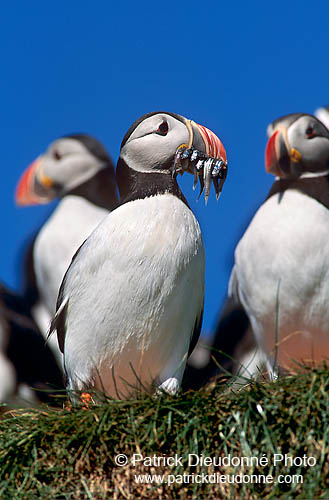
(86, 400)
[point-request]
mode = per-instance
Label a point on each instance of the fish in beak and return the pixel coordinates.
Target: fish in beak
(204, 156)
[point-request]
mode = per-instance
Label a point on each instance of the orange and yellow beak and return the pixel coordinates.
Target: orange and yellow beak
(271, 155)
(214, 146)
(279, 154)
(204, 156)
(34, 188)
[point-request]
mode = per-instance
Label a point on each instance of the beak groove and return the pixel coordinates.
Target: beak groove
(214, 146)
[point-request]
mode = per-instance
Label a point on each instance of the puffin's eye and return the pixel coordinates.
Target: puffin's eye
(57, 156)
(310, 132)
(163, 128)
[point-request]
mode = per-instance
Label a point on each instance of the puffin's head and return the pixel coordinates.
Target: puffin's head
(68, 163)
(152, 142)
(298, 144)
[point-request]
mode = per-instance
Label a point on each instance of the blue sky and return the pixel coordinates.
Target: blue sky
(96, 67)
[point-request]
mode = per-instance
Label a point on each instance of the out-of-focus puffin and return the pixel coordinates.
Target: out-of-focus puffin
(8, 380)
(131, 303)
(25, 359)
(233, 334)
(77, 169)
(322, 114)
(281, 272)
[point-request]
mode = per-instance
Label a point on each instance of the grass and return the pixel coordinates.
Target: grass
(59, 454)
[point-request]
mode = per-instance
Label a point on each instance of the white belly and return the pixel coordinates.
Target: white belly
(282, 271)
(134, 293)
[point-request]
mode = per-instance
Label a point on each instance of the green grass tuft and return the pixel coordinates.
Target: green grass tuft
(60, 454)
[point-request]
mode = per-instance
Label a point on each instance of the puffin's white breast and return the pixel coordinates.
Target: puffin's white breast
(135, 291)
(282, 264)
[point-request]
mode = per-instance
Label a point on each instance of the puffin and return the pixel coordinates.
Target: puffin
(77, 169)
(28, 367)
(8, 381)
(322, 114)
(233, 333)
(281, 271)
(130, 307)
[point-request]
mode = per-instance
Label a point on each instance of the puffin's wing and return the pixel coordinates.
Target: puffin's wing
(58, 321)
(196, 333)
(233, 286)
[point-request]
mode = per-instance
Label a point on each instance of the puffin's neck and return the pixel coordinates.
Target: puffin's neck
(134, 185)
(314, 187)
(99, 190)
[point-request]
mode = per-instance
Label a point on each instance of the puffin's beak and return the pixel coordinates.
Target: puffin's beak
(271, 157)
(277, 159)
(34, 188)
(204, 156)
(215, 164)
(214, 146)
(279, 154)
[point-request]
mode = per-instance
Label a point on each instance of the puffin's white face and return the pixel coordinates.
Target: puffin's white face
(168, 143)
(66, 164)
(154, 142)
(311, 139)
(299, 144)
